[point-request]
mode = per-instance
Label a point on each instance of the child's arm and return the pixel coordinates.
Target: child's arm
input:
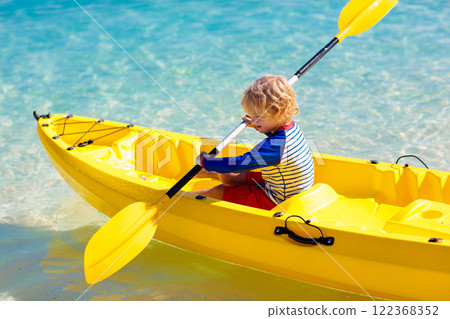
(266, 153)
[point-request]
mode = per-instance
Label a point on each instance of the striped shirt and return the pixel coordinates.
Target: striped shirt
(284, 158)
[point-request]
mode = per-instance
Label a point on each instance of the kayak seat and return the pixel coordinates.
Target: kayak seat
(322, 203)
(310, 200)
(421, 218)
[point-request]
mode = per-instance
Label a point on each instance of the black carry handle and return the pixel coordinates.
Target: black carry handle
(328, 241)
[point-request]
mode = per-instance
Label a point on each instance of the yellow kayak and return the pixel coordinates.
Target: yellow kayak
(378, 229)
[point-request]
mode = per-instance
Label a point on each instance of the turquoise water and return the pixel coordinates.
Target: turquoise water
(379, 95)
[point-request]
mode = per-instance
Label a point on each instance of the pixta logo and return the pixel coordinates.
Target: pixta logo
(153, 151)
(161, 154)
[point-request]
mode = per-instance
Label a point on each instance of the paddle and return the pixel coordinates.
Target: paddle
(124, 236)
(356, 17)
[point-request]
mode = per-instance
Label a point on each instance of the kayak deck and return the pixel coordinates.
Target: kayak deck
(387, 220)
(357, 205)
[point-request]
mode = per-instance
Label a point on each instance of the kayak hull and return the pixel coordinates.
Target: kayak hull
(379, 252)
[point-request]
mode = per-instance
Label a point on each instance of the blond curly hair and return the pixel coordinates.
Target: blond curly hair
(270, 94)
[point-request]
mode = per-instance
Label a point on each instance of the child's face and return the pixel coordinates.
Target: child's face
(265, 123)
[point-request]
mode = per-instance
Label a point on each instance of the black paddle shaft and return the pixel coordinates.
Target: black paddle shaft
(316, 58)
(186, 178)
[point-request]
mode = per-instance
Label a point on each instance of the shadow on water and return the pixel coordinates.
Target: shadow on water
(38, 264)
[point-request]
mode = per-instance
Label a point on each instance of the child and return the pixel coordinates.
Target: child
(284, 156)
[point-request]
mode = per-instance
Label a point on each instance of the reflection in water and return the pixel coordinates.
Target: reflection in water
(163, 272)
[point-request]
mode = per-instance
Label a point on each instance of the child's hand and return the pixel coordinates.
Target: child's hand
(247, 118)
(206, 174)
(200, 158)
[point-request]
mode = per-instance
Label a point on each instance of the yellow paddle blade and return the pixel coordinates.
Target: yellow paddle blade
(360, 15)
(121, 239)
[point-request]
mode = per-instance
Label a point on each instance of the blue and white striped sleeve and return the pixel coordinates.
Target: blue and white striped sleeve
(267, 153)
